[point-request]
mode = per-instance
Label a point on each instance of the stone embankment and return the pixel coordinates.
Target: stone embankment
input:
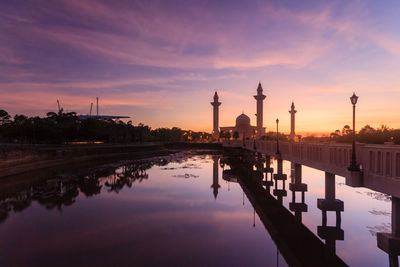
(19, 159)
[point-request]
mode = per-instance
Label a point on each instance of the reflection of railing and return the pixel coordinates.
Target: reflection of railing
(388, 242)
(298, 245)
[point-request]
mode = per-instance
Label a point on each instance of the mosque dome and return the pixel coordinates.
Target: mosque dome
(242, 120)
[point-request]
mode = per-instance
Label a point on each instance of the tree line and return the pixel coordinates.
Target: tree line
(367, 134)
(65, 127)
(226, 135)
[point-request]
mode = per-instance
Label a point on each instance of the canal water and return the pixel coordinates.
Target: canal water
(170, 211)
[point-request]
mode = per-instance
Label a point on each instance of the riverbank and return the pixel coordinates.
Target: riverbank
(19, 159)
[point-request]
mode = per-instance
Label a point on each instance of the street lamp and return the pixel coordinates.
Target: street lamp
(222, 163)
(254, 140)
(353, 164)
(277, 137)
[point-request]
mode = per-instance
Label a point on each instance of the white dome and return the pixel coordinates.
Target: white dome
(242, 120)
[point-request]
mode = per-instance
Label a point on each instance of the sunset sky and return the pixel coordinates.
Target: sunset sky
(161, 61)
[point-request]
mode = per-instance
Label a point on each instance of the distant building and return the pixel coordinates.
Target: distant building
(102, 117)
(243, 128)
(99, 117)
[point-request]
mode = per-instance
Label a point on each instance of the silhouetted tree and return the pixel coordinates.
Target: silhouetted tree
(64, 127)
(235, 135)
(367, 134)
(4, 117)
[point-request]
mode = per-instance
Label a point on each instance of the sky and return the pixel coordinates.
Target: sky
(160, 62)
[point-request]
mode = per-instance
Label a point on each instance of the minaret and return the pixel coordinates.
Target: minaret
(260, 98)
(292, 111)
(216, 105)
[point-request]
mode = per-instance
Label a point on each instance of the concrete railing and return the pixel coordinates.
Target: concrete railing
(377, 160)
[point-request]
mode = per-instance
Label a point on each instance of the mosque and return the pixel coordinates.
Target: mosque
(243, 129)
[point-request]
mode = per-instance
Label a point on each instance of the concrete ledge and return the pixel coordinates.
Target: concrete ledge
(280, 192)
(298, 207)
(268, 183)
(268, 170)
(330, 205)
(355, 179)
(388, 243)
(48, 164)
(280, 176)
(330, 232)
(52, 156)
(298, 187)
(227, 175)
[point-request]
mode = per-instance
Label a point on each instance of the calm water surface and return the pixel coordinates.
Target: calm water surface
(170, 212)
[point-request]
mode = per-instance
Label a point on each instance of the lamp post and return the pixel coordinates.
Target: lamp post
(277, 137)
(353, 164)
(254, 140)
(221, 163)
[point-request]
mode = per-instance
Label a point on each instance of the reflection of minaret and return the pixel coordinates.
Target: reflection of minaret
(280, 193)
(216, 105)
(260, 98)
(330, 203)
(296, 185)
(215, 184)
(292, 111)
(390, 242)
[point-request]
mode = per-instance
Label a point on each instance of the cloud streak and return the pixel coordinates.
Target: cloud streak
(169, 55)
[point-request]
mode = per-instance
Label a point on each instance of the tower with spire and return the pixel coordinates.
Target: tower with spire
(216, 105)
(260, 98)
(292, 112)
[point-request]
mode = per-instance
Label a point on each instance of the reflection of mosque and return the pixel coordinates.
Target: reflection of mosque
(254, 174)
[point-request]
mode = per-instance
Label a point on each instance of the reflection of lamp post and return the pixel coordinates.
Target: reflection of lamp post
(277, 137)
(254, 218)
(353, 164)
